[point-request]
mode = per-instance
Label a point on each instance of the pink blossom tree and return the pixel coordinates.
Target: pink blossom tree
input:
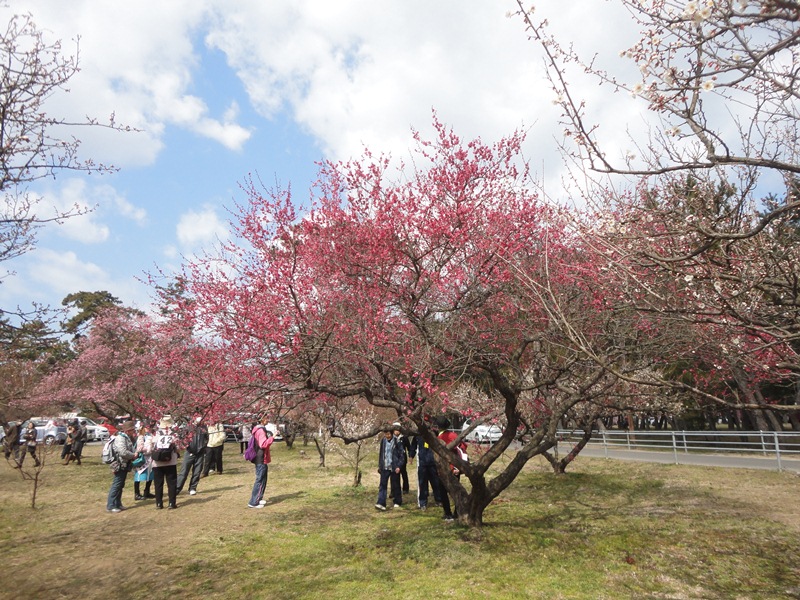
(399, 290)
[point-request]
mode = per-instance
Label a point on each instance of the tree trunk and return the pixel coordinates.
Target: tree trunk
(758, 416)
(560, 465)
(321, 452)
(794, 417)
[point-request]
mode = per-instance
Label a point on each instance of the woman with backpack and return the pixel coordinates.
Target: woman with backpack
(144, 471)
(121, 454)
(164, 453)
(261, 440)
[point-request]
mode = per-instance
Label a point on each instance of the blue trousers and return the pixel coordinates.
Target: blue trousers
(427, 474)
(260, 484)
(397, 492)
(115, 492)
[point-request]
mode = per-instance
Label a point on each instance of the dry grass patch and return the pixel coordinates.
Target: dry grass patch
(605, 530)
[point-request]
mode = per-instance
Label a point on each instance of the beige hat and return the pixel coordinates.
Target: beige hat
(166, 422)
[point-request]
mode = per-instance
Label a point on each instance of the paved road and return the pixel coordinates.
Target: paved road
(683, 458)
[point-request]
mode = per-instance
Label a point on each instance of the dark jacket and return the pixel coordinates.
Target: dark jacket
(420, 446)
(199, 440)
(398, 455)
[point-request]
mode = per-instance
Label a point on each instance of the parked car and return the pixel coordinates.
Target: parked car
(48, 431)
(482, 433)
(109, 426)
(233, 433)
(95, 430)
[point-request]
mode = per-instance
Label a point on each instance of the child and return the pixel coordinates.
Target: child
(391, 459)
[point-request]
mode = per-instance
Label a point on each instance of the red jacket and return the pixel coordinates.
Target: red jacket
(264, 440)
(449, 436)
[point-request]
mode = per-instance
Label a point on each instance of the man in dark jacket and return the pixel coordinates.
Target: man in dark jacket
(193, 457)
(426, 469)
(11, 444)
(398, 434)
(391, 459)
(81, 437)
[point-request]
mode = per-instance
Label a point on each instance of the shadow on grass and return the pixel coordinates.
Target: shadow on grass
(283, 497)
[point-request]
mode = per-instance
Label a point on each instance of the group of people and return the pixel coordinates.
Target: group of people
(393, 455)
(19, 442)
(153, 455)
(77, 436)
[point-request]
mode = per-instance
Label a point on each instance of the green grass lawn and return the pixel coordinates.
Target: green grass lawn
(605, 530)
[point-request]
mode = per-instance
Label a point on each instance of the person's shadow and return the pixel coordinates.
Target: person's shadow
(278, 499)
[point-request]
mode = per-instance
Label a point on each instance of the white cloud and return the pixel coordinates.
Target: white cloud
(92, 205)
(74, 197)
(356, 73)
(350, 72)
(137, 61)
(200, 228)
(48, 275)
(64, 272)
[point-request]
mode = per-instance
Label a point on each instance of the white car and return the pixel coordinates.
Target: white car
(95, 430)
(482, 433)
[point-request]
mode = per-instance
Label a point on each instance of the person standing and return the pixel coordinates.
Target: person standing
(263, 443)
(216, 440)
(80, 440)
(391, 458)
(29, 437)
(247, 431)
(66, 449)
(193, 457)
(398, 434)
(143, 472)
(426, 469)
(11, 443)
(124, 453)
(447, 437)
(165, 462)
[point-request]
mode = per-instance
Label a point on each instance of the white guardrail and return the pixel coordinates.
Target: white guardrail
(775, 445)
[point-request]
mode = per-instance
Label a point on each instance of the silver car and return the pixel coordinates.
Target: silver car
(48, 431)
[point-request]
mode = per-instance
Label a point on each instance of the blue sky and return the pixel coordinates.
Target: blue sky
(220, 89)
